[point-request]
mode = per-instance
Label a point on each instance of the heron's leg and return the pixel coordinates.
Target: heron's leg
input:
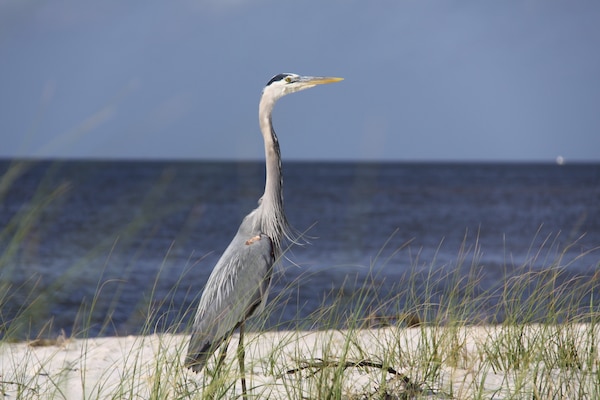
(241, 355)
(222, 355)
(214, 372)
(211, 389)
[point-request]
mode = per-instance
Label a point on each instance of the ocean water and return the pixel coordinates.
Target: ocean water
(131, 239)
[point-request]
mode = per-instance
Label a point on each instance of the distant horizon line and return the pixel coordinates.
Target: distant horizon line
(558, 162)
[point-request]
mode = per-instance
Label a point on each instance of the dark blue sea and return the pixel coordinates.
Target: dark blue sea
(102, 248)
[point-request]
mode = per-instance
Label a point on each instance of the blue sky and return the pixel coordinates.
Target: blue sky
(424, 80)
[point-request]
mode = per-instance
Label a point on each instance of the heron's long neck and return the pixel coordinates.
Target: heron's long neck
(272, 214)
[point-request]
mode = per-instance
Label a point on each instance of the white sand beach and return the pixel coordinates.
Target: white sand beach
(457, 363)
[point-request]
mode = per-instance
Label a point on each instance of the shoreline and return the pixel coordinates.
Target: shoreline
(139, 366)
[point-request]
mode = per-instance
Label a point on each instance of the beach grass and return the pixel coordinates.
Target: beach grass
(436, 333)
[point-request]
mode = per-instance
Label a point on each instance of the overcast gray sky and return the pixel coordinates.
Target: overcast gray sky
(424, 80)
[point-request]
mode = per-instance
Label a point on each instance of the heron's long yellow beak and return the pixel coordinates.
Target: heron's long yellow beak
(320, 80)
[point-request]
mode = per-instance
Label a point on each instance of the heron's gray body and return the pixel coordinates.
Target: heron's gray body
(238, 285)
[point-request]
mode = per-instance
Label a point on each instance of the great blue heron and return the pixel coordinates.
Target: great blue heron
(239, 282)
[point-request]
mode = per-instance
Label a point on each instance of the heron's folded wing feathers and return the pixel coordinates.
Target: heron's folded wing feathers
(237, 286)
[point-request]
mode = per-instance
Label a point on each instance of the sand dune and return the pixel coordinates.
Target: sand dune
(146, 366)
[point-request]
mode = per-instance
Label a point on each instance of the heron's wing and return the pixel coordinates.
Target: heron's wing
(237, 286)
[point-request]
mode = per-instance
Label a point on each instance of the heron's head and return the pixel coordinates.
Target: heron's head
(287, 83)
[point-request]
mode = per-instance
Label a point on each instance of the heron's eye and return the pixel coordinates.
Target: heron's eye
(288, 79)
